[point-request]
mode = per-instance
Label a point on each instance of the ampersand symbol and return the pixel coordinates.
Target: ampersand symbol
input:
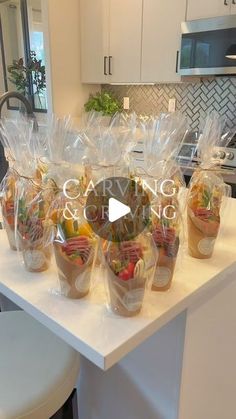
(72, 214)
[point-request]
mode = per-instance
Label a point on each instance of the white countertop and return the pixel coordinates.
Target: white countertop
(88, 326)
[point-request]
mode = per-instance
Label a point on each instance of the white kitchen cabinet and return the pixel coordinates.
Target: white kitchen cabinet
(94, 32)
(198, 9)
(233, 7)
(161, 40)
(125, 40)
(111, 32)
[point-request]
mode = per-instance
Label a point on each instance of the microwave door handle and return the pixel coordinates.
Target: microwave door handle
(193, 53)
(177, 62)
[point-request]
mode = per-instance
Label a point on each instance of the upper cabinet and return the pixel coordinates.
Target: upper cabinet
(130, 41)
(125, 40)
(110, 40)
(233, 7)
(161, 40)
(197, 9)
(94, 24)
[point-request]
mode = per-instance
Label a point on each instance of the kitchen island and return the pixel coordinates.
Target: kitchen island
(143, 355)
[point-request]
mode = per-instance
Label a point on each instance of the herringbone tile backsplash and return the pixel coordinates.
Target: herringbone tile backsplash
(193, 99)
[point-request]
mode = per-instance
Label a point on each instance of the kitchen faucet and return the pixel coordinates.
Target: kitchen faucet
(30, 113)
(22, 98)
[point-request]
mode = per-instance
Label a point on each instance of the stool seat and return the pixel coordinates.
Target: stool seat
(38, 371)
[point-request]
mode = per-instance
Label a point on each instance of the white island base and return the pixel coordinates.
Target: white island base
(131, 368)
(143, 385)
(187, 370)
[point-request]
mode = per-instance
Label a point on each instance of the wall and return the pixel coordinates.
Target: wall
(193, 99)
(62, 43)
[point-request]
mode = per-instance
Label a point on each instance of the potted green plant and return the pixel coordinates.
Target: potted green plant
(103, 102)
(21, 74)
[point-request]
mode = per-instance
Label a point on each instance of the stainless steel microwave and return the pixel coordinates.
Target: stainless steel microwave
(208, 47)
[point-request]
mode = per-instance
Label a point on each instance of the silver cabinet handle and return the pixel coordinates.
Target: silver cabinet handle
(109, 65)
(233, 2)
(105, 66)
(225, 3)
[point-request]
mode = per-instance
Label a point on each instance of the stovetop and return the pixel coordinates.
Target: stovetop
(225, 156)
(192, 138)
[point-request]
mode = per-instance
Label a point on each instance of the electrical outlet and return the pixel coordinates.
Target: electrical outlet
(126, 103)
(172, 105)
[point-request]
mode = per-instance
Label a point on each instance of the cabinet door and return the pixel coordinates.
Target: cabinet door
(198, 9)
(233, 7)
(94, 22)
(125, 40)
(161, 40)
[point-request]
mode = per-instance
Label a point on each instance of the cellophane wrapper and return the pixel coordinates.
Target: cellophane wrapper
(32, 232)
(162, 138)
(165, 227)
(56, 144)
(129, 267)
(74, 245)
(8, 193)
(206, 191)
(64, 175)
(163, 180)
(204, 202)
(108, 147)
(16, 138)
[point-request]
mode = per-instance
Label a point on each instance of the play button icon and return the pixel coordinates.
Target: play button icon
(117, 209)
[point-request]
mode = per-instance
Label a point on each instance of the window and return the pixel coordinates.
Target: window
(22, 51)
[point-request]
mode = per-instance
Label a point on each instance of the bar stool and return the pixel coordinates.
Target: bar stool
(38, 371)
